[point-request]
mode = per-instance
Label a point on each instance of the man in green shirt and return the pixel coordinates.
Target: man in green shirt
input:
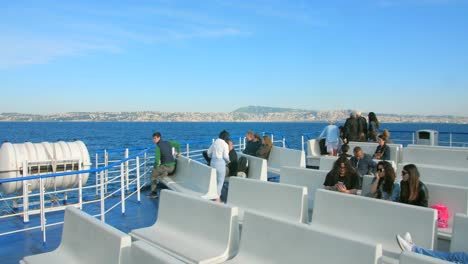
(164, 161)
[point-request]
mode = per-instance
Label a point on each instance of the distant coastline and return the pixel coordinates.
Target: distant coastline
(245, 114)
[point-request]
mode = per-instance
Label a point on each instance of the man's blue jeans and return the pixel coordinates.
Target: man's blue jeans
(457, 257)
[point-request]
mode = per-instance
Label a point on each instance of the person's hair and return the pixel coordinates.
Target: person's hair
(224, 135)
(250, 133)
(389, 177)
(345, 148)
(373, 117)
(386, 133)
(383, 138)
(413, 181)
(267, 141)
(257, 136)
(336, 166)
(156, 134)
(357, 149)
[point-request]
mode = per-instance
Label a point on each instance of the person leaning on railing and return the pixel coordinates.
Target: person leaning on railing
(164, 161)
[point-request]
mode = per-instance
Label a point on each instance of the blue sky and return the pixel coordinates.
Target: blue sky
(386, 56)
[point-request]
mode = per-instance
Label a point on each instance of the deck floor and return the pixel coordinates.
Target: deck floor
(14, 247)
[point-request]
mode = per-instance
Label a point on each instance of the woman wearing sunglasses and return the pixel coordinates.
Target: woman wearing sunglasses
(384, 185)
(413, 191)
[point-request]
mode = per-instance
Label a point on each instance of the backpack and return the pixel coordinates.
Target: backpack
(442, 215)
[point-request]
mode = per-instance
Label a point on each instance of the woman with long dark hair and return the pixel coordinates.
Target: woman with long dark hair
(413, 191)
(373, 130)
(343, 177)
(384, 185)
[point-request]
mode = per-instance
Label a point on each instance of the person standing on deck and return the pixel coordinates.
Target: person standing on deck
(351, 128)
(164, 161)
(331, 135)
(219, 154)
(362, 127)
(373, 130)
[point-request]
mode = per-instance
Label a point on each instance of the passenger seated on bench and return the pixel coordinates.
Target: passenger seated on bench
(219, 154)
(342, 177)
(251, 146)
(386, 135)
(231, 169)
(413, 191)
(344, 151)
(406, 244)
(384, 185)
(382, 152)
(265, 149)
(362, 162)
(164, 161)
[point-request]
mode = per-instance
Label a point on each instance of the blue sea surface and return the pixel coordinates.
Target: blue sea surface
(113, 135)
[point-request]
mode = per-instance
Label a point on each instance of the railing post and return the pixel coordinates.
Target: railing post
(96, 175)
(145, 170)
(302, 140)
(122, 187)
(240, 144)
(413, 138)
(25, 194)
(126, 170)
(106, 172)
(187, 150)
(450, 139)
(284, 142)
(273, 139)
(41, 201)
(138, 177)
(80, 187)
(103, 205)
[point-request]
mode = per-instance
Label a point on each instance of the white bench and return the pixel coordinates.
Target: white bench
(374, 220)
(194, 178)
(280, 200)
(455, 158)
(408, 257)
(142, 252)
(440, 174)
(436, 147)
(326, 162)
(312, 179)
(258, 169)
(459, 241)
(192, 229)
(369, 148)
(266, 239)
(85, 240)
(313, 152)
(366, 185)
(455, 198)
(285, 157)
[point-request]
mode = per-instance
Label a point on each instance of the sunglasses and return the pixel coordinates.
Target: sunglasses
(380, 170)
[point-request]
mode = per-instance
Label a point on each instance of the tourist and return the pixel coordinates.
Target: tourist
(406, 244)
(351, 128)
(265, 149)
(386, 135)
(413, 191)
(362, 127)
(344, 151)
(219, 154)
(373, 130)
(362, 162)
(342, 178)
(384, 185)
(382, 152)
(331, 135)
(164, 161)
(251, 145)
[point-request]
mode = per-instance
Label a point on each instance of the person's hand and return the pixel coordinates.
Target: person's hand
(341, 187)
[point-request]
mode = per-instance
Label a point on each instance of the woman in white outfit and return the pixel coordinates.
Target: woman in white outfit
(219, 154)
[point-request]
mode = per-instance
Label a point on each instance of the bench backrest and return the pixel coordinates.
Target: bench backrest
(454, 197)
(312, 179)
(366, 185)
(408, 257)
(257, 167)
(285, 157)
(459, 241)
(326, 162)
(369, 148)
(197, 217)
(200, 177)
(280, 200)
(266, 239)
(374, 219)
(432, 156)
(436, 147)
(142, 252)
(90, 239)
(440, 174)
(313, 148)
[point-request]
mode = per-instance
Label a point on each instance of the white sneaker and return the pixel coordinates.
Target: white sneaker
(404, 244)
(407, 237)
